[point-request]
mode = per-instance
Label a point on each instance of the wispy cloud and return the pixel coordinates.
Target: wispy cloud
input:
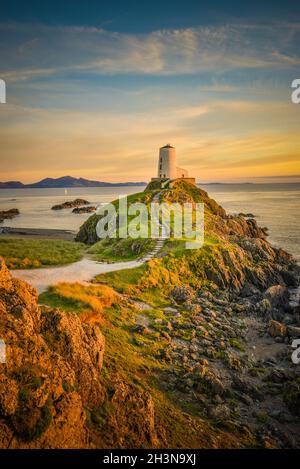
(27, 74)
(61, 116)
(37, 50)
(118, 146)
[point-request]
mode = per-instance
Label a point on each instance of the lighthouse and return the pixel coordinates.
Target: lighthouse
(167, 163)
(167, 168)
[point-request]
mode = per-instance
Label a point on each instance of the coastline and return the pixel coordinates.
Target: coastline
(37, 233)
(274, 206)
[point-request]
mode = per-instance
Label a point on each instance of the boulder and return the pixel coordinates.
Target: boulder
(288, 320)
(8, 214)
(89, 209)
(277, 295)
(70, 204)
(277, 329)
(264, 308)
(182, 294)
(290, 278)
(293, 332)
(170, 310)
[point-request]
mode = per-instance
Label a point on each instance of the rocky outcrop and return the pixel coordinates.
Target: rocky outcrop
(131, 417)
(277, 295)
(237, 225)
(246, 215)
(51, 389)
(182, 294)
(276, 329)
(249, 265)
(70, 204)
(51, 373)
(8, 214)
(89, 209)
(229, 364)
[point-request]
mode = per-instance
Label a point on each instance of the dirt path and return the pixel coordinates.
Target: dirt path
(82, 271)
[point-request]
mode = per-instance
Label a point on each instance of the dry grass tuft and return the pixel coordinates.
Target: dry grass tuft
(95, 297)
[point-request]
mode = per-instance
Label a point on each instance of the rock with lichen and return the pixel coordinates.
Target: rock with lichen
(52, 371)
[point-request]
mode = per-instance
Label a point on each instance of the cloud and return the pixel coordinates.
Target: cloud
(119, 146)
(27, 74)
(35, 50)
(111, 129)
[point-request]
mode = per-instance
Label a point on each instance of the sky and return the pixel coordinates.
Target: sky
(95, 88)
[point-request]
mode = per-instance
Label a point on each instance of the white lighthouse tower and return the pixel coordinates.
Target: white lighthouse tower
(167, 169)
(167, 163)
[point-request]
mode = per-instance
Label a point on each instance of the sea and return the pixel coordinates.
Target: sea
(276, 206)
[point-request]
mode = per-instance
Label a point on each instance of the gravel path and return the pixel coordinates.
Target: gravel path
(82, 271)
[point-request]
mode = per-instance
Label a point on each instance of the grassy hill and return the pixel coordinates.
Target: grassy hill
(177, 336)
(196, 354)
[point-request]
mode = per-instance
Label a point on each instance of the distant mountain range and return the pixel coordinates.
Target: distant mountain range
(64, 182)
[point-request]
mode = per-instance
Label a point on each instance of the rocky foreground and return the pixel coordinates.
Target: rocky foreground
(197, 351)
(50, 383)
(232, 363)
(52, 368)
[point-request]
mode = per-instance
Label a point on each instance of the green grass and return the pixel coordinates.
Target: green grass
(236, 344)
(114, 250)
(127, 281)
(152, 281)
(263, 418)
(53, 299)
(122, 280)
(31, 253)
(87, 232)
(176, 247)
